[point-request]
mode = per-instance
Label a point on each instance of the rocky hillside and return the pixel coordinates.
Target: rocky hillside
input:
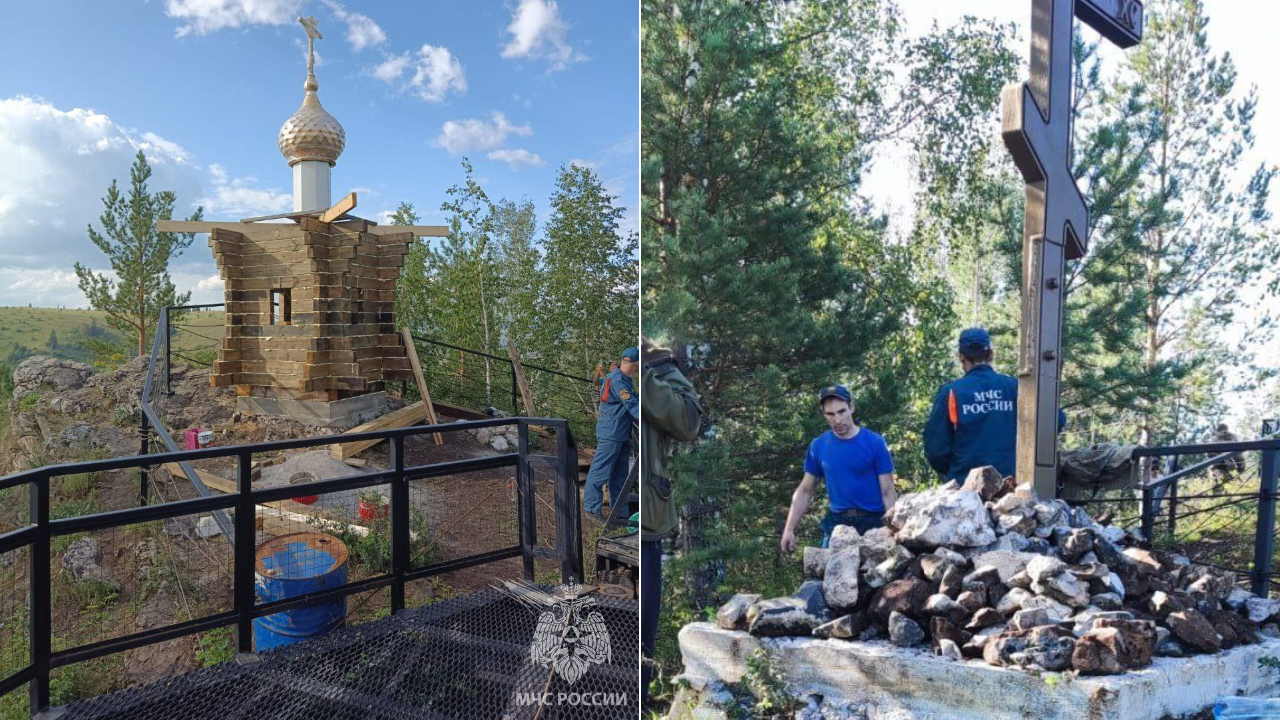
(63, 411)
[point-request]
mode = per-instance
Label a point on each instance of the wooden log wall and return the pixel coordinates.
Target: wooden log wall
(341, 338)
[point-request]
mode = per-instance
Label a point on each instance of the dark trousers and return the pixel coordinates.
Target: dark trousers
(650, 606)
(862, 522)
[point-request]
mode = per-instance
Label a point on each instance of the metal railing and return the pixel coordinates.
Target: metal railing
(1219, 510)
(41, 530)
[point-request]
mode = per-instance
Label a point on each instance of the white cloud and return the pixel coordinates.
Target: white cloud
(474, 135)
(392, 68)
(201, 17)
(538, 32)
(362, 31)
(213, 282)
(517, 158)
(55, 167)
(431, 74)
(41, 287)
(237, 197)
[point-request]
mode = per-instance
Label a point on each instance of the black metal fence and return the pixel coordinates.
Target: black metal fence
(238, 514)
(1213, 502)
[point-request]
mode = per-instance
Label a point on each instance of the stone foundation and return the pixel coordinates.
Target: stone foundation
(345, 413)
(891, 683)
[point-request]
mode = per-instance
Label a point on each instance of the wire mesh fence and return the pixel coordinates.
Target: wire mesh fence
(465, 658)
(1218, 511)
(487, 383)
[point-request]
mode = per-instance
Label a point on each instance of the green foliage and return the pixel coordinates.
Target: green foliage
(139, 287)
(1269, 661)
(768, 692)
(216, 646)
(29, 402)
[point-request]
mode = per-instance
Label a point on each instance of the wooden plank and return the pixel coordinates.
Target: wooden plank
(412, 352)
(415, 230)
(404, 417)
(340, 208)
(525, 393)
(282, 515)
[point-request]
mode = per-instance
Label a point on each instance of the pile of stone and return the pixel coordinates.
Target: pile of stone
(986, 570)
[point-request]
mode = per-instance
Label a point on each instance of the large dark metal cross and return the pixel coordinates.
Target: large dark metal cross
(1037, 132)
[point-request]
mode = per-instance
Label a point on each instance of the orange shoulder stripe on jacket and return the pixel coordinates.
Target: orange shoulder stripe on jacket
(604, 393)
(952, 410)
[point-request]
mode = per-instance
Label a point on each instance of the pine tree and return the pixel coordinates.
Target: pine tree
(139, 257)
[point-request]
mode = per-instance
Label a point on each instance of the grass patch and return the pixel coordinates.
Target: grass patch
(29, 402)
(216, 646)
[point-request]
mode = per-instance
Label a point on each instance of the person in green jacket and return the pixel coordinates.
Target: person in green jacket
(669, 412)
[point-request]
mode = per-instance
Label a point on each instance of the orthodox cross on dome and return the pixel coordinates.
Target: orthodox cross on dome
(1037, 132)
(313, 34)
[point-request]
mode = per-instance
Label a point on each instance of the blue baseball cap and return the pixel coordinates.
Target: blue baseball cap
(835, 391)
(632, 353)
(974, 340)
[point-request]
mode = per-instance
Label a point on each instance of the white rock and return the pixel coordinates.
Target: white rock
(1042, 566)
(948, 650)
(840, 581)
(815, 561)
(499, 443)
(844, 536)
(1007, 563)
(207, 527)
(955, 519)
(1261, 609)
(1013, 601)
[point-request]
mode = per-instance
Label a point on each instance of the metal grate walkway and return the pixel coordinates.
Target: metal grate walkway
(465, 658)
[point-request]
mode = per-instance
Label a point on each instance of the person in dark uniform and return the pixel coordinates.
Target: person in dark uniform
(974, 420)
(619, 408)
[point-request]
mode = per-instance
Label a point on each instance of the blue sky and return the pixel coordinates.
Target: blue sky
(520, 87)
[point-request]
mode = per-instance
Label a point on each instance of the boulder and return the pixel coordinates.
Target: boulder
(39, 371)
(1145, 561)
(81, 562)
(499, 443)
(845, 627)
(948, 650)
(976, 644)
(1139, 639)
(1055, 608)
(987, 575)
(1000, 649)
(840, 581)
(985, 481)
(890, 568)
(781, 617)
(1064, 587)
(733, 614)
(941, 605)
(953, 519)
(876, 545)
(952, 581)
(903, 631)
(1041, 567)
(972, 601)
(901, 596)
(1048, 650)
(984, 618)
(1027, 619)
(1231, 627)
(1238, 599)
(1084, 622)
(1090, 571)
(936, 563)
(1006, 563)
(1099, 652)
(1106, 601)
(941, 629)
(1012, 601)
(813, 594)
(844, 536)
(815, 561)
(1076, 544)
(1193, 630)
(1260, 610)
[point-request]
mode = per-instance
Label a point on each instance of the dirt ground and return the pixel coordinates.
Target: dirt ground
(161, 573)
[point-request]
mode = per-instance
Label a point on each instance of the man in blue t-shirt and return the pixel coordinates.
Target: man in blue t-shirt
(857, 467)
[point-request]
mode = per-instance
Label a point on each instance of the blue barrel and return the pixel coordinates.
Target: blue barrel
(292, 565)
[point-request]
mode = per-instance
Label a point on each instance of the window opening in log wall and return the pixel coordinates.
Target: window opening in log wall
(281, 309)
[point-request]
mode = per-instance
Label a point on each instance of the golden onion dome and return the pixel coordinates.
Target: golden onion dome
(312, 133)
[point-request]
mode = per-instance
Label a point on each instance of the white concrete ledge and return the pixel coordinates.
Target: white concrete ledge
(897, 683)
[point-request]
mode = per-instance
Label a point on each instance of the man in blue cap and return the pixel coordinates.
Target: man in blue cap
(619, 408)
(974, 421)
(855, 464)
